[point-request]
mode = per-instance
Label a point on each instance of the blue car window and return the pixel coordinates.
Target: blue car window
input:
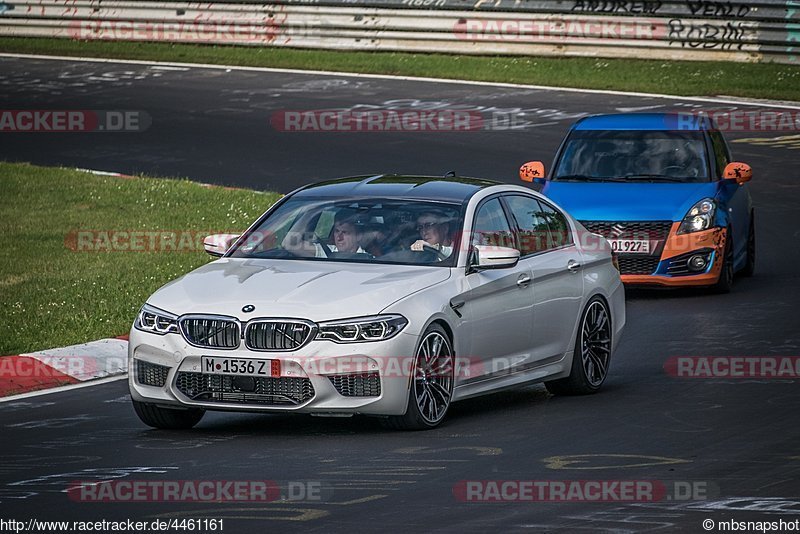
(633, 155)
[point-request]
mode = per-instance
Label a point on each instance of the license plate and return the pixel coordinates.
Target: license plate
(630, 246)
(239, 367)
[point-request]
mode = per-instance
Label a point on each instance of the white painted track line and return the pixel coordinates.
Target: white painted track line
(163, 65)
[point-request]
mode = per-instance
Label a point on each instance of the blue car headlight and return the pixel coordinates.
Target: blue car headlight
(156, 321)
(362, 329)
(700, 217)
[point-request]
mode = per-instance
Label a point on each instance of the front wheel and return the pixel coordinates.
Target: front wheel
(592, 353)
(167, 418)
(431, 383)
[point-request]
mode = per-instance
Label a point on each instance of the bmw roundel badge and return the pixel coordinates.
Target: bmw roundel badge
(248, 308)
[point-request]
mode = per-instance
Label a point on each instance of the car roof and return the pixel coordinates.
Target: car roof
(688, 121)
(455, 189)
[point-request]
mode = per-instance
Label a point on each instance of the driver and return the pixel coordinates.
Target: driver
(434, 229)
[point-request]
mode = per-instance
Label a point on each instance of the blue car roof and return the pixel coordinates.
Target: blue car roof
(645, 121)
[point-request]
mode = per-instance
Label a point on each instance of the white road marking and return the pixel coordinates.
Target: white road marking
(228, 68)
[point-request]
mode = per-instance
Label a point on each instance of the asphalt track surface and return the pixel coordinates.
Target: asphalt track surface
(736, 439)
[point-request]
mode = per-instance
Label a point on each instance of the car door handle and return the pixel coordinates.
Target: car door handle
(523, 280)
(573, 266)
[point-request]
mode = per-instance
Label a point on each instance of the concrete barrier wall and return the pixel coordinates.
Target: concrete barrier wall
(758, 31)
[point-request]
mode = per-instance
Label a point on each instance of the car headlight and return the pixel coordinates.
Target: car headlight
(699, 218)
(155, 321)
(361, 329)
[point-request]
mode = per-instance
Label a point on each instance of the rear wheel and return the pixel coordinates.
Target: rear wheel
(592, 353)
(750, 265)
(167, 418)
(725, 281)
(431, 383)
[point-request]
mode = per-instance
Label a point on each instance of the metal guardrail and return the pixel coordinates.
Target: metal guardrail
(756, 30)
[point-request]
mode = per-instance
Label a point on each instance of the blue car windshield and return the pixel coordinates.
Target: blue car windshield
(633, 156)
(364, 230)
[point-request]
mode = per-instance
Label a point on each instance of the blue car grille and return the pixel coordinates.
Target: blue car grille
(657, 231)
(653, 230)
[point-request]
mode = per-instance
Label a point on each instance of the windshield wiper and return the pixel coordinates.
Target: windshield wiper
(574, 178)
(585, 178)
(652, 177)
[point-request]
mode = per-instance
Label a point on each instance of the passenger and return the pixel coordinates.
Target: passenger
(434, 228)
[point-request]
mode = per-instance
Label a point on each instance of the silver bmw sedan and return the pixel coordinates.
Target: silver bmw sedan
(391, 296)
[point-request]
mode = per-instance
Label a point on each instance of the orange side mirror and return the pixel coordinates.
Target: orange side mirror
(531, 171)
(741, 172)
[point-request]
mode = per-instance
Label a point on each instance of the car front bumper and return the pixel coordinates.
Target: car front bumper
(672, 270)
(322, 377)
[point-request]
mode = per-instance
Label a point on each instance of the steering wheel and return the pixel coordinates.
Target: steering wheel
(440, 256)
(681, 169)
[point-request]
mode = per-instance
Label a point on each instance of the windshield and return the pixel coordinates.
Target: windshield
(631, 155)
(370, 230)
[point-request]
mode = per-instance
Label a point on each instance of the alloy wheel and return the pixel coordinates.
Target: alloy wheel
(433, 376)
(595, 343)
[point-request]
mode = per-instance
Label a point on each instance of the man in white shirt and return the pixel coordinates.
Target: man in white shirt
(346, 236)
(434, 228)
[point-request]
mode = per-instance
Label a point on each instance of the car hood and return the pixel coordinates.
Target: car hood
(315, 290)
(628, 201)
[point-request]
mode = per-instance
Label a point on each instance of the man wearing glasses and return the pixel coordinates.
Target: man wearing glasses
(434, 228)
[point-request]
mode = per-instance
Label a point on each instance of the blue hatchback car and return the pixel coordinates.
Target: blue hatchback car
(662, 188)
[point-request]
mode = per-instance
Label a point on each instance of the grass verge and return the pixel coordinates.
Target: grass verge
(55, 296)
(754, 80)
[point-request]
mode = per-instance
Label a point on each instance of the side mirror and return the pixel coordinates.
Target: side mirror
(491, 257)
(741, 172)
(218, 244)
(533, 171)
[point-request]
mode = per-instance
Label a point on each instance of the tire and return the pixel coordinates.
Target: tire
(592, 354)
(166, 418)
(725, 281)
(750, 264)
(431, 388)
